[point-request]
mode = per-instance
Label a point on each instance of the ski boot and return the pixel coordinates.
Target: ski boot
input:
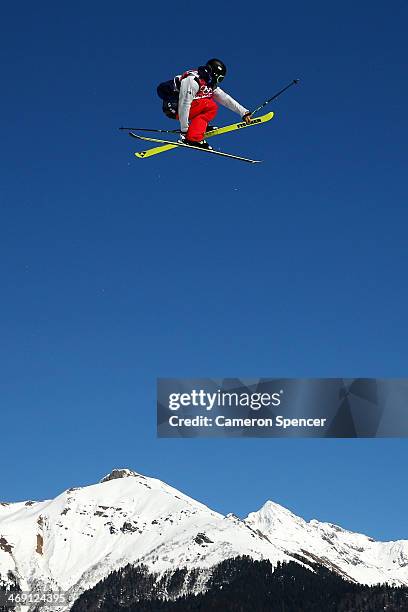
(201, 144)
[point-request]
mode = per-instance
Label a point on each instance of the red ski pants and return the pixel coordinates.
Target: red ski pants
(201, 112)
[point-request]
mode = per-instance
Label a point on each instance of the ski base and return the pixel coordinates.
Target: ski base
(185, 146)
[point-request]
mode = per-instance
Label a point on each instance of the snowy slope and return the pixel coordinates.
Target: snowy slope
(354, 555)
(83, 534)
(79, 537)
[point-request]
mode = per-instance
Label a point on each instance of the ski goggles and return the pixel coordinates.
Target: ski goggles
(216, 80)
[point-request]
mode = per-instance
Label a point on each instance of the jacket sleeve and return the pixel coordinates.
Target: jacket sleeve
(188, 90)
(226, 100)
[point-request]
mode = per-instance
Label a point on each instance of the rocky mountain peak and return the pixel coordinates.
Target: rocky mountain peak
(119, 473)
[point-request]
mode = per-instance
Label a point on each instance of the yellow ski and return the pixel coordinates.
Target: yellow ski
(211, 151)
(222, 130)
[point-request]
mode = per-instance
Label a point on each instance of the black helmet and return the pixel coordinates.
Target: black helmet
(218, 71)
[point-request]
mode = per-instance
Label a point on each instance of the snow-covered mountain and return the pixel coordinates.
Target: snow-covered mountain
(78, 538)
(353, 555)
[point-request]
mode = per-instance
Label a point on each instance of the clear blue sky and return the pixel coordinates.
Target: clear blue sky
(114, 270)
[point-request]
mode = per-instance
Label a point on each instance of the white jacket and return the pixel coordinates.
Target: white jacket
(188, 91)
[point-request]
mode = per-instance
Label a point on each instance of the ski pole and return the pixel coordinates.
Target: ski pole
(294, 82)
(148, 130)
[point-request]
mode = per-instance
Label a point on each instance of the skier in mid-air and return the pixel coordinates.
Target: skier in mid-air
(192, 98)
